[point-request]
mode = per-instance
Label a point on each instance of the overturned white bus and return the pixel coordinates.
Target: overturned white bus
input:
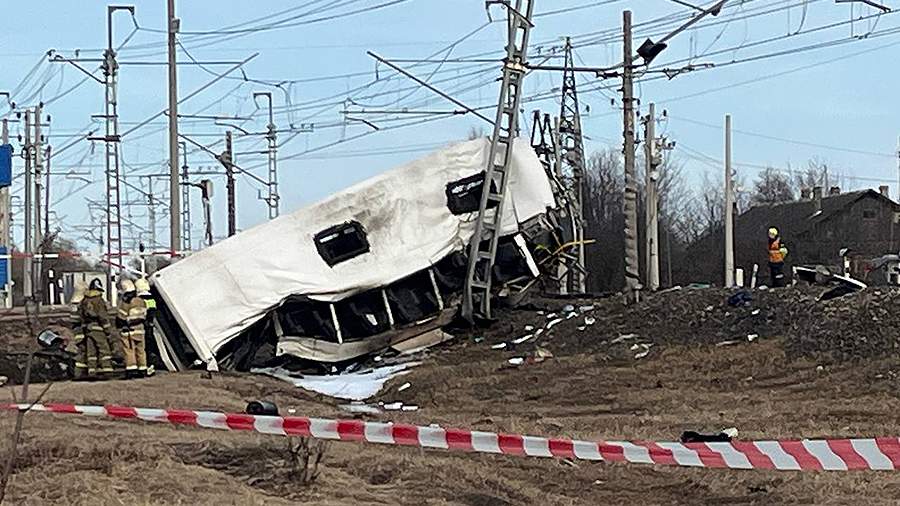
(373, 265)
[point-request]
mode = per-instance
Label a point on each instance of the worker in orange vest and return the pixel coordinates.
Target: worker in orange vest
(777, 252)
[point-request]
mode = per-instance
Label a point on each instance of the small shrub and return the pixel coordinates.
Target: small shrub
(305, 454)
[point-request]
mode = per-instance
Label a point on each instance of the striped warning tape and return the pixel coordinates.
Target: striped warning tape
(806, 454)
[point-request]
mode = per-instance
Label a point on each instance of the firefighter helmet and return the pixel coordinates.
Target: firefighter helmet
(142, 286)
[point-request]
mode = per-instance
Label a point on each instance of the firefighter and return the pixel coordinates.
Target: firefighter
(83, 365)
(94, 316)
(143, 291)
(132, 313)
(777, 252)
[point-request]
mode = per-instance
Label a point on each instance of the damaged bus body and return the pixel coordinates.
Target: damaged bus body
(376, 264)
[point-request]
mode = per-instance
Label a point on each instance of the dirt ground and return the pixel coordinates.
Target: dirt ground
(782, 383)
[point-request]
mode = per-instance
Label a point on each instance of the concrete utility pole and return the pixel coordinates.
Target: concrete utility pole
(651, 182)
(27, 286)
(729, 208)
(37, 151)
(185, 201)
(632, 280)
(273, 198)
(173, 24)
(38, 194)
(47, 193)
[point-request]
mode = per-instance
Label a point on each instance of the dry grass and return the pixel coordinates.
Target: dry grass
(584, 393)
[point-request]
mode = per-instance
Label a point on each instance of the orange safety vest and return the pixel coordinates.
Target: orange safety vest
(775, 255)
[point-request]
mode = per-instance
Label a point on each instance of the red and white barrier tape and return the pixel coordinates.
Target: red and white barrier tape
(806, 454)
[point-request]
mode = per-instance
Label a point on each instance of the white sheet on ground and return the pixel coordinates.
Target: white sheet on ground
(355, 386)
(218, 292)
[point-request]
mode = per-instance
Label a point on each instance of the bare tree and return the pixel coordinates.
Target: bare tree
(476, 133)
(604, 220)
(772, 187)
(814, 175)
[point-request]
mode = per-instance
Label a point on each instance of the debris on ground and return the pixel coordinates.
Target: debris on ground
(723, 436)
(359, 408)
(262, 408)
(522, 339)
(792, 381)
(740, 299)
(355, 386)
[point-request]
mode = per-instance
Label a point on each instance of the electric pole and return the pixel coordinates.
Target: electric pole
(652, 161)
(632, 280)
(545, 141)
(47, 193)
(27, 287)
(227, 160)
(113, 173)
(483, 245)
(729, 208)
(187, 242)
(5, 216)
(571, 150)
(206, 195)
(273, 198)
(38, 194)
(151, 214)
(173, 25)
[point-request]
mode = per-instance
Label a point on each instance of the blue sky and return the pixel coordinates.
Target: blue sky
(834, 100)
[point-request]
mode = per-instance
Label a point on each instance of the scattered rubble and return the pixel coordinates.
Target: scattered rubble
(723, 436)
(851, 328)
(354, 386)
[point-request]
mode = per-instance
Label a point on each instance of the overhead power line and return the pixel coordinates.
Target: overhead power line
(830, 147)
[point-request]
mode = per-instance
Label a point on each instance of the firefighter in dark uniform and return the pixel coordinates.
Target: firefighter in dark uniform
(95, 323)
(85, 364)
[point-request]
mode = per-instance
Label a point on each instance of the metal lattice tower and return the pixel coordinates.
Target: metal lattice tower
(186, 243)
(544, 141)
(272, 198)
(571, 156)
(113, 174)
(483, 246)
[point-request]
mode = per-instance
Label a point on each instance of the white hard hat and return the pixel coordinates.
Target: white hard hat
(142, 286)
(78, 292)
(127, 286)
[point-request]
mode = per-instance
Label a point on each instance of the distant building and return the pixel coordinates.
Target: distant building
(814, 228)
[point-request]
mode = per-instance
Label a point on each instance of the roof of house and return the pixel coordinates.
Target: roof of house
(797, 217)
